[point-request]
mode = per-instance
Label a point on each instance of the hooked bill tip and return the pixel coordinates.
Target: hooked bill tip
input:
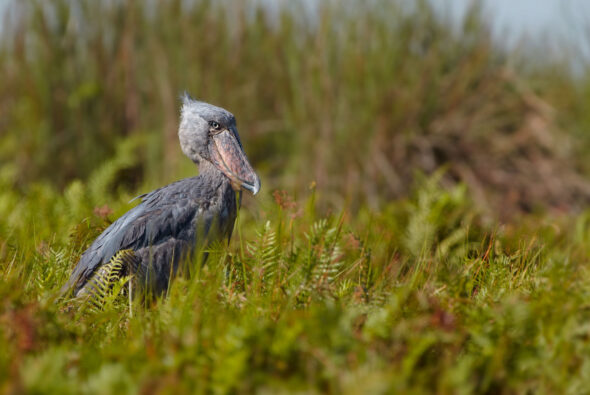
(254, 188)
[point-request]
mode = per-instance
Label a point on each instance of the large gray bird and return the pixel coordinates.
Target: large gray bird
(173, 222)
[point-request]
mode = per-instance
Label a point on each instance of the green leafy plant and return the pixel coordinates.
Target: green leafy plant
(105, 286)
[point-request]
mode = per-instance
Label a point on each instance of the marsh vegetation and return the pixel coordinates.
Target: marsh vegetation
(422, 225)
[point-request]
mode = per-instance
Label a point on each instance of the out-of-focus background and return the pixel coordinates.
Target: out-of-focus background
(356, 97)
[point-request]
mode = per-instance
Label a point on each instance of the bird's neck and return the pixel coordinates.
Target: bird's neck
(212, 174)
(208, 169)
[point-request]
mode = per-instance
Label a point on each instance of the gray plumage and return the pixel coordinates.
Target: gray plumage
(173, 222)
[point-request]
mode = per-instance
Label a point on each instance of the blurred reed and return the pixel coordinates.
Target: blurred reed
(354, 97)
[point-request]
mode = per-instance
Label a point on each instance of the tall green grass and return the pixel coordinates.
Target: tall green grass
(421, 297)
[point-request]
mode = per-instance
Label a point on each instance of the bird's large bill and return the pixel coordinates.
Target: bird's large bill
(229, 157)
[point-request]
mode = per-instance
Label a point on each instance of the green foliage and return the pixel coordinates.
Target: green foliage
(437, 219)
(105, 286)
(408, 286)
(308, 302)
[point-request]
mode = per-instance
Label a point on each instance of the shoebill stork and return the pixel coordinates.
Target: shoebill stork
(172, 223)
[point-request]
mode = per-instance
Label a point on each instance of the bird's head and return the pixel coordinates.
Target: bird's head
(209, 133)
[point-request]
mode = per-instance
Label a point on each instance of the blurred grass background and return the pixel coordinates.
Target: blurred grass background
(433, 237)
(356, 98)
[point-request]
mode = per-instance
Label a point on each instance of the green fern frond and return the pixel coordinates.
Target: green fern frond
(324, 259)
(318, 229)
(328, 264)
(344, 288)
(109, 280)
(47, 268)
(434, 215)
(265, 251)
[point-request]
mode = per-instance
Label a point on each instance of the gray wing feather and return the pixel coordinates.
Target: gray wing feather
(163, 214)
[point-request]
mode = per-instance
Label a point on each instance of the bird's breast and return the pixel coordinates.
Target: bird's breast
(215, 216)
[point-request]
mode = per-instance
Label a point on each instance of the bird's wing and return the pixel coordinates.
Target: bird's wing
(163, 214)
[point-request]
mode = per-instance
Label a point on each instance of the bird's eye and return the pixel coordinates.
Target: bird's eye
(214, 125)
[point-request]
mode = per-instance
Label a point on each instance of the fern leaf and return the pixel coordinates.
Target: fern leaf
(266, 253)
(109, 280)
